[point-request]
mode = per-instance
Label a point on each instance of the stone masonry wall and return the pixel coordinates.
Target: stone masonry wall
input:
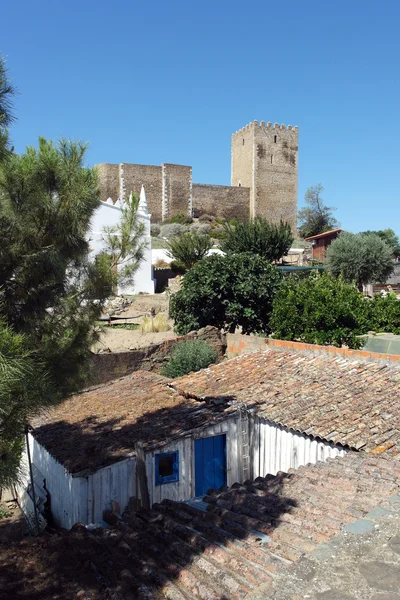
(150, 176)
(221, 201)
(107, 366)
(176, 190)
(264, 158)
(108, 181)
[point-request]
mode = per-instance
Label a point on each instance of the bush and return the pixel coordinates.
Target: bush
(171, 230)
(227, 292)
(188, 356)
(381, 314)
(319, 309)
(361, 258)
(181, 219)
(186, 250)
(258, 236)
(201, 228)
(154, 324)
(217, 234)
(155, 229)
(206, 218)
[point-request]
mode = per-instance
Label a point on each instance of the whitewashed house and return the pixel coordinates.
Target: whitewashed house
(109, 215)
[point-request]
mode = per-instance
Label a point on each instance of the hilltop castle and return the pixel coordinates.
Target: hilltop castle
(263, 180)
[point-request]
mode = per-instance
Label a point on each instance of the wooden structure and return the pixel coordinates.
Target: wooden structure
(320, 243)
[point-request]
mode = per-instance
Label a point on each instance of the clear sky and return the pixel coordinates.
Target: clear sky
(170, 81)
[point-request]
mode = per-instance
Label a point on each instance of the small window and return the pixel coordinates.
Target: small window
(243, 141)
(167, 467)
(274, 139)
(271, 159)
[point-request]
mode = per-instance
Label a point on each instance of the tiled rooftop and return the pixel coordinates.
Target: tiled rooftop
(346, 401)
(100, 426)
(246, 535)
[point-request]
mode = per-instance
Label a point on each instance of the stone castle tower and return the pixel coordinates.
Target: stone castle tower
(263, 180)
(264, 159)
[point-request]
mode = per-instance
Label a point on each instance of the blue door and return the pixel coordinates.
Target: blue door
(209, 463)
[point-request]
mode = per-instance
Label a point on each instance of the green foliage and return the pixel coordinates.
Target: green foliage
(155, 229)
(24, 390)
(187, 249)
(200, 228)
(259, 237)
(4, 513)
(390, 237)
(130, 326)
(361, 258)
(227, 292)
(188, 356)
(381, 314)
(124, 243)
(172, 229)
(181, 219)
(319, 309)
(315, 217)
(6, 109)
(217, 234)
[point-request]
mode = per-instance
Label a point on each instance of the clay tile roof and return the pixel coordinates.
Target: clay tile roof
(230, 546)
(322, 235)
(101, 425)
(346, 401)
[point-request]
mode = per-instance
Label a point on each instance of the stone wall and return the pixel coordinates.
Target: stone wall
(221, 201)
(176, 190)
(107, 366)
(108, 181)
(150, 177)
(264, 158)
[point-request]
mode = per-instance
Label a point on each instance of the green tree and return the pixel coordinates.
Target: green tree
(318, 309)
(227, 292)
(189, 356)
(124, 244)
(258, 236)
(187, 249)
(315, 217)
(361, 258)
(390, 237)
(24, 391)
(6, 109)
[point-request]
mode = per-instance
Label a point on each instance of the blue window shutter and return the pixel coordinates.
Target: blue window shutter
(174, 457)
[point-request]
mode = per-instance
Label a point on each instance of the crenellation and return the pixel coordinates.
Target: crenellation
(264, 160)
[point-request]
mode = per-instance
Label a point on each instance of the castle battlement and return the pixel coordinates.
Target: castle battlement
(262, 125)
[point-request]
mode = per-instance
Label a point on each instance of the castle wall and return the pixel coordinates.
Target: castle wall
(108, 181)
(176, 190)
(221, 201)
(150, 177)
(264, 158)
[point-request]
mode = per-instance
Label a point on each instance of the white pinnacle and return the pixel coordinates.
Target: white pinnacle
(143, 208)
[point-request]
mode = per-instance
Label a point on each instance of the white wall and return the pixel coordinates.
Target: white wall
(276, 448)
(108, 215)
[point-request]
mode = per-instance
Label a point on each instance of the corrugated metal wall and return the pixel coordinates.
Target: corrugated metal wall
(275, 448)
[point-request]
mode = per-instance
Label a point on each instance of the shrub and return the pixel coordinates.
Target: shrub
(186, 250)
(171, 230)
(362, 258)
(181, 219)
(217, 234)
(154, 324)
(155, 229)
(227, 292)
(258, 236)
(188, 356)
(319, 309)
(382, 314)
(200, 228)
(206, 218)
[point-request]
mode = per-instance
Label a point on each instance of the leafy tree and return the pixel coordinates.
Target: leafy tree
(189, 356)
(227, 292)
(187, 249)
(319, 309)
(381, 314)
(51, 295)
(315, 217)
(361, 258)
(258, 236)
(124, 244)
(24, 390)
(6, 113)
(390, 237)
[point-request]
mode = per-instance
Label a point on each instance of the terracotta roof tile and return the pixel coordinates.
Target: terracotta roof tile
(349, 402)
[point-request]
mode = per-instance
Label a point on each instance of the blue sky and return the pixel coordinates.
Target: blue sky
(157, 81)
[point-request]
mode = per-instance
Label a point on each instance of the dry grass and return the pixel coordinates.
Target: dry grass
(154, 324)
